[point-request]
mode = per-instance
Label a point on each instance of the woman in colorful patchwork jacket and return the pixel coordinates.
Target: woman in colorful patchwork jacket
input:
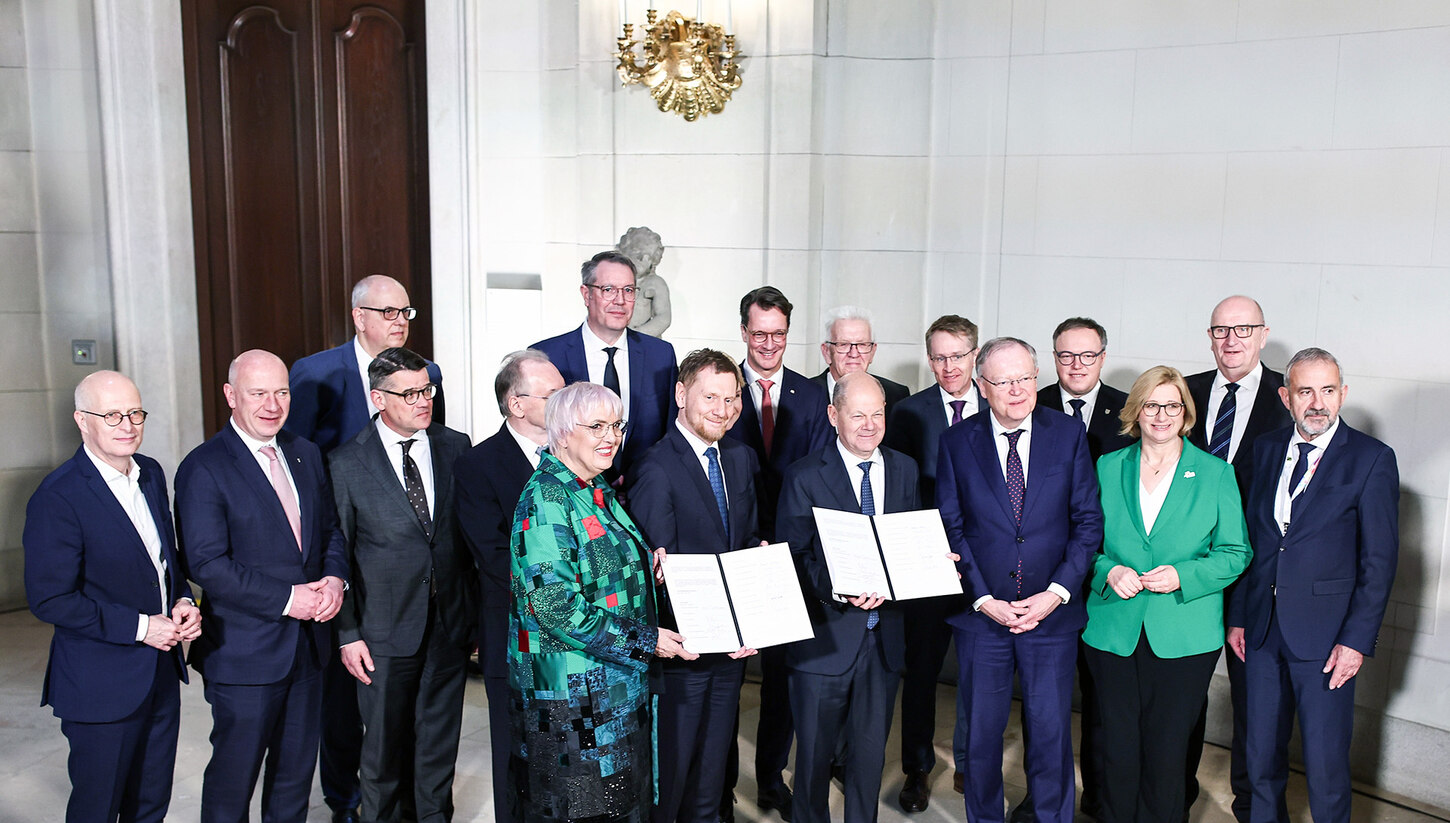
(583, 627)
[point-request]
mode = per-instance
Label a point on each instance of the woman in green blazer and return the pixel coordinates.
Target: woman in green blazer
(1173, 538)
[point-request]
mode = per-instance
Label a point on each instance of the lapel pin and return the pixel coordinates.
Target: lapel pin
(1189, 474)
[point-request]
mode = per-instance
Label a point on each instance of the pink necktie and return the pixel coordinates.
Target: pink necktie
(284, 494)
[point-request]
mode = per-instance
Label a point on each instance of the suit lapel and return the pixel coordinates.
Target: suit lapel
(575, 361)
(835, 478)
(306, 503)
(637, 371)
(1132, 489)
(737, 468)
(1328, 467)
(354, 393)
(107, 502)
(375, 459)
(690, 463)
(261, 484)
(1182, 487)
(985, 450)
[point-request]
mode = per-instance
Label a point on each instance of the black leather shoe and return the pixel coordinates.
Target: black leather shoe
(727, 811)
(916, 793)
(777, 797)
(959, 782)
(346, 816)
(1023, 813)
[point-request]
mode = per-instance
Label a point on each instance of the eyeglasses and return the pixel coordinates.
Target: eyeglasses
(113, 418)
(410, 396)
(600, 429)
(1087, 358)
(1171, 409)
(392, 312)
(1010, 384)
(1221, 332)
(843, 347)
(954, 359)
(608, 292)
(758, 337)
(537, 396)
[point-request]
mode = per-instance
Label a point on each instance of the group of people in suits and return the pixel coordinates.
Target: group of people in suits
(350, 550)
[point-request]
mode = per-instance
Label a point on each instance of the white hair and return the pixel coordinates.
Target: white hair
(567, 406)
(842, 313)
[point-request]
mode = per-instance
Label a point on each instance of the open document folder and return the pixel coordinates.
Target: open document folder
(749, 597)
(902, 555)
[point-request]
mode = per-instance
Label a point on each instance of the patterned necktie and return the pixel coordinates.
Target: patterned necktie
(1300, 467)
(611, 374)
(284, 494)
(1223, 427)
(1077, 404)
(1016, 487)
(413, 485)
(868, 507)
(717, 485)
(957, 406)
(767, 415)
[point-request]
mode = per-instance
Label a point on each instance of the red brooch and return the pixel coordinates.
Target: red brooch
(591, 525)
(599, 498)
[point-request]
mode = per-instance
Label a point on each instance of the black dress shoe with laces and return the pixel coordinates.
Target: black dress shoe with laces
(916, 793)
(777, 797)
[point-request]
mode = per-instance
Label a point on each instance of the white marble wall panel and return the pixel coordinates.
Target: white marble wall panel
(966, 203)
(1395, 340)
(875, 107)
(1277, 95)
(514, 205)
(788, 81)
(729, 217)
(599, 205)
(1136, 24)
(1284, 19)
(1391, 89)
(599, 28)
(17, 192)
(559, 32)
(1019, 205)
(901, 362)
(19, 334)
(742, 128)
(1071, 103)
(559, 112)
(515, 101)
(12, 33)
(705, 290)
(19, 272)
(790, 181)
(14, 110)
(1167, 206)
(870, 28)
(1037, 293)
(600, 99)
(1419, 693)
(974, 29)
(1029, 22)
(73, 198)
(1441, 254)
(1402, 413)
(874, 203)
(965, 284)
(889, 284)
(25, 452)
(790, 26)
(51, 28)
(790, 270)
(511, 37)
(971, 115)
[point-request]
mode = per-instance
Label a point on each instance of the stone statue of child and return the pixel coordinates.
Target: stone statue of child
(652, 295)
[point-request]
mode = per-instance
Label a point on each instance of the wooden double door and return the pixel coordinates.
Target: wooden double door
(309, 171)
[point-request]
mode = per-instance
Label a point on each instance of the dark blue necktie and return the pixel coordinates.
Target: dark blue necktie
(868, 508)
(1223, 427)
(1300, 467)
(611, 374)
(1077, 405)
(717, 485)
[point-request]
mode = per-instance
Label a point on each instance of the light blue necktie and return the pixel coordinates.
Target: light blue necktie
(868, 508)
(717, 485)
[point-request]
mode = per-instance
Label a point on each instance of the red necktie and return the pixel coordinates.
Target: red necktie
(767, 414)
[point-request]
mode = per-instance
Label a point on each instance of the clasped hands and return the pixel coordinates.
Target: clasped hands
(163, 632)
(1023, 615)
(319, 600)
(1127, 583)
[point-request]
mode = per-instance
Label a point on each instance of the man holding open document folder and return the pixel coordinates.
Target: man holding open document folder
(694, 493)
(843, 682)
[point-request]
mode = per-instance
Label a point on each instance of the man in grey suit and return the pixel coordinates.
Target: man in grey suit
(407, 626)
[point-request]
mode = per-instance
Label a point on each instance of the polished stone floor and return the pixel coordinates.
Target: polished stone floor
(33, 784)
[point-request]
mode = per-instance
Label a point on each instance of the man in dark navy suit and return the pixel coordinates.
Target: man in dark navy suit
(843, 681)
(783, 418)
(915, 428)
(1239, 402)
(258, 532)
(694, 493)
(847, 345)
(330, 405)
(605, 350)
(1080, 350)
(1323, 517)
(100, 565)
(1019, 497)
(488, 480)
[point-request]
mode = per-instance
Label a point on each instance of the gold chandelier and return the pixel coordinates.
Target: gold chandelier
(688, 66)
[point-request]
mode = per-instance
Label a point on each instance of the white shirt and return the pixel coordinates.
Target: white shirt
(420, 451)
(699, 446)
(255, 447)
(1089, 401)
(752, 382)
(853, 470)
(596, 359)
(1243, 406)
(1284, 495)
(527, 446)
(1024, 450)
(126, 488)
(1151, 502)
(363, 361)
(969, 397)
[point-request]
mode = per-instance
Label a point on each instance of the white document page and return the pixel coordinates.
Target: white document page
(851, 554)
(915, 547)
(767, 595)
(702, 610)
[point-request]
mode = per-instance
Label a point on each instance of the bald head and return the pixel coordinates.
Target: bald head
(98, 382)
(371, 297)
(109, 393)
(257, 392)
(1236, 335)
(858, 411)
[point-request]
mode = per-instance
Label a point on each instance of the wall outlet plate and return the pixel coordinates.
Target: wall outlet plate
(83, 352)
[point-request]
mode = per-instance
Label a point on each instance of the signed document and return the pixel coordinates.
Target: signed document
(749, 597)
(902, 556)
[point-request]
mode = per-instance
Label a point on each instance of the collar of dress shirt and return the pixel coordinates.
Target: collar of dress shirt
(1248, 386)
(593, 342)
(970, 395)
(1319, 443)
(393, 440)
(253, 444)
(854, 462)
(751, 375)
(998, 429)
(1090, 400)
(109, 472)
(527, 446)
(697, 445)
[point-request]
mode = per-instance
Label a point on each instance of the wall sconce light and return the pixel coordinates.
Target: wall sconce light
(688, 66)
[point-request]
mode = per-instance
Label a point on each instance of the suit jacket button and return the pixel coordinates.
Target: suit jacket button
(1021, 540)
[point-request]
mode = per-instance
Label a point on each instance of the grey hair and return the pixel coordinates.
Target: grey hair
(842, 313)
(1313, 354)
(511, 375)
(364, 286)
(566, 407)
(996, 344)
